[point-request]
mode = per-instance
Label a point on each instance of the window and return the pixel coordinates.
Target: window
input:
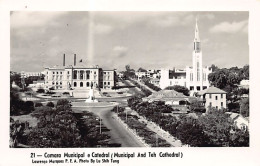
(81, 74)
(216, 97)
(221, 96)
(94, 72)
(105, 83)
(75, 74)
(108, 77)
(60, 83)
(108, 83)
(57, 83)
(57, 72)
(53, 73)
(75, 84)
(47, 72)
(68, 72)
(81, 84)
(87, 73)
(221, 104)
(210, 104)
(60, 72)
(217, 107)
(210, 96)
(104, 72)
(87, 84)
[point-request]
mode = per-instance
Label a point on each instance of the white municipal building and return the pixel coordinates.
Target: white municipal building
(195, 78)
(78, 77)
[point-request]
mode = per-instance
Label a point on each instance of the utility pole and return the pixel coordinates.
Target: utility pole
(126, 115)
(156, 140)
(100, 126)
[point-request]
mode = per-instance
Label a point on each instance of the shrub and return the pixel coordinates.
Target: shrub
(38, 104)
(40, 90)
(50, 104)
(63, 102)
(50, 93)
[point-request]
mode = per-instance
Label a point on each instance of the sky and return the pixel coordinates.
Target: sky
(151, 40)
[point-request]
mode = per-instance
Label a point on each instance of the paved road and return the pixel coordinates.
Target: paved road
(143, 85)
(118, 133)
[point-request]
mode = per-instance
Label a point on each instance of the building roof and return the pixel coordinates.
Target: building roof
(211, 90)
(166, 94)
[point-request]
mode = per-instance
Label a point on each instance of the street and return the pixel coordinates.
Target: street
(118, 132)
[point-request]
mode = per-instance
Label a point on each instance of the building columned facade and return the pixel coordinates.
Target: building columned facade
(78, 77)
(195, 78)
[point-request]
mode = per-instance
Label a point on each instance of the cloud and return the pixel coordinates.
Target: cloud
(227, 27)
(167, 21)
(34, 19)
(102, 28)
(120, 51)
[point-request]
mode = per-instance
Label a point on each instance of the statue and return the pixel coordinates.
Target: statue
(91, 97)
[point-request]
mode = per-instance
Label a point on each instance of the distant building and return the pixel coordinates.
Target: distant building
(30, 74)
(141, 73)
(78, 77)
(195, 78)
(37, 84)
(151, 73)
(170, 97)
(155, 81)
(244, 84)
(214, 97)
(240, 121)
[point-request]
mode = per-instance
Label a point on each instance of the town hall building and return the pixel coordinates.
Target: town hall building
(78, 77)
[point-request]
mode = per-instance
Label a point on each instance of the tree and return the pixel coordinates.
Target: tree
(239, 138)
(217, 126)
(244, 107)
(214, 68)
(38, 104)
(50, 104)
(180, 89)
(190, 132)
(40, 90)
(197, 106)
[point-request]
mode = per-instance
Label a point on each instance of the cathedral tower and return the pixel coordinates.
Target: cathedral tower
(197, 74)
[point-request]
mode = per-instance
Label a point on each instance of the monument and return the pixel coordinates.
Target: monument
(91, 96)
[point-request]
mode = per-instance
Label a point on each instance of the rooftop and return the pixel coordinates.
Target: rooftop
(211, 90)
(166, 94)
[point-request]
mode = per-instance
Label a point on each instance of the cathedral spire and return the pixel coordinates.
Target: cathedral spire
(197, 38)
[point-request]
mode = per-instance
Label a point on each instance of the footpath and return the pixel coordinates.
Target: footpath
(158, 130)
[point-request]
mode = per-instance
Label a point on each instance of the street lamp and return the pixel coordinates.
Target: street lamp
(99, 124)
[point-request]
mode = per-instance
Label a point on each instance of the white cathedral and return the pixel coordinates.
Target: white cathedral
(195, 78)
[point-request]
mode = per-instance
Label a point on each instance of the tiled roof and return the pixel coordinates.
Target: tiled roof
(211, 90)
(167, 94)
